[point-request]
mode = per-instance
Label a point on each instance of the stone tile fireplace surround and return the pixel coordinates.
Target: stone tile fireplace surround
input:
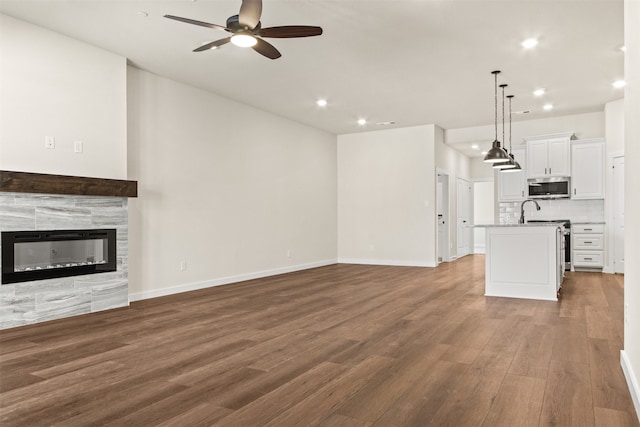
(30, 210)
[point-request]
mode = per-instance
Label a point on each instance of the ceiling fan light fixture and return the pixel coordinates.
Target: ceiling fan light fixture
(244, 40)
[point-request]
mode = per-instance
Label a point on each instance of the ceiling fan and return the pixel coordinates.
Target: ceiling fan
(247, 31)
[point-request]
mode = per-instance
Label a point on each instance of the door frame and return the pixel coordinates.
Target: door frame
(469, 232)
(610, 213)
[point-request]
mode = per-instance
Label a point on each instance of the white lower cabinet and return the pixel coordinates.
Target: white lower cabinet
(587, 245)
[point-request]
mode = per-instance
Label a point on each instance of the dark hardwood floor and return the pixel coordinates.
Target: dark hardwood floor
(343, 345)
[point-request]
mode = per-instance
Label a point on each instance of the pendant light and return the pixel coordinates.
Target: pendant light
(507, 164)
(496, 154)
(516, 165)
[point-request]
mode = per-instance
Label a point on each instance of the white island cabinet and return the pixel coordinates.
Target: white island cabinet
(524, 261)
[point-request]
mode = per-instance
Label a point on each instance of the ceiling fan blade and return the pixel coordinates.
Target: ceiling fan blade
(194, 22)
(212, 45)
(266, 49)
(289, 31)
(250, 12)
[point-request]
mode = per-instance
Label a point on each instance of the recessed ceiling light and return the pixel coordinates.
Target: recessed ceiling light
(623, 48)
(475, 146)
(539, 92)
(619, 84)
(143, 14)
(548, 107)
(484, 153)
(529, 43)
(362, 122)
(321, 102)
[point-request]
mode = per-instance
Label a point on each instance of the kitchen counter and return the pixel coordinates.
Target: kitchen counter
(524, 261)
(588, 222)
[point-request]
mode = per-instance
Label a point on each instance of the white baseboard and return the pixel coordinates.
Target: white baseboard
(398, 263)
(632, 383)
(227, 280)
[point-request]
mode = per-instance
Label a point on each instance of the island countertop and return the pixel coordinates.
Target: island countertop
(537, 224)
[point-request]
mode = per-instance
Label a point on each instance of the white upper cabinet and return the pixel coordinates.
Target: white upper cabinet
(549, 155)
(513, 185)
(587, 169)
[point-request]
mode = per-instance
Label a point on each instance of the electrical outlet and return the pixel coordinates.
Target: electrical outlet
(183, 265)
(49, 142)
(288, 253)
(77, 146)
(626, 313)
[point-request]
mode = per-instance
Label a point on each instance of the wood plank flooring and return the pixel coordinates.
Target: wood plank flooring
(343, 345)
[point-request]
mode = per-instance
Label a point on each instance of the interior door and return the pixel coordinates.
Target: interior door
(618, 214)
(442, 200)
(441, 221)
(463, 229)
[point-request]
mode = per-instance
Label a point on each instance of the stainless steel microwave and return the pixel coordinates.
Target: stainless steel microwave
(549, 188)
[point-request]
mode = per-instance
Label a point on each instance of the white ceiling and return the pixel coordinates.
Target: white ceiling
(409, 61)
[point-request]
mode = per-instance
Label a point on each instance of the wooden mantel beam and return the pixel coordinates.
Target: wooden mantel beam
(27, 182)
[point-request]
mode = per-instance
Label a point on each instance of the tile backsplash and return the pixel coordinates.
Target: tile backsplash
(574, 210)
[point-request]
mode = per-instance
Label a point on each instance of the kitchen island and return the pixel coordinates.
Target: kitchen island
(524, 261)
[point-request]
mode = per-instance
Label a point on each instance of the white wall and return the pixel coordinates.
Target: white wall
(52, 85)
(480, 169)
(457, 165)
(588, 125)
(631, 353)
(483, 212)
(229, 189)
(387, 197)
(614, 118)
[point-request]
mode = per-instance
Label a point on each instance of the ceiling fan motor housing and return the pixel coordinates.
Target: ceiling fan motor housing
(233, 24)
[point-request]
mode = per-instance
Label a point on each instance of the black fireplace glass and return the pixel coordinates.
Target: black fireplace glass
(36, 255)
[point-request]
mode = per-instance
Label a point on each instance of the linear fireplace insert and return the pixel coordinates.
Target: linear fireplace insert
(48, 254)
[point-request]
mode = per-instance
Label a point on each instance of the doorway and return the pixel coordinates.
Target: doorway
(464, 221)
(483, 212)
(442, 211)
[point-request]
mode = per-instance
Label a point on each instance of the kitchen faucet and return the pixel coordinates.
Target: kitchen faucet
(521, 220)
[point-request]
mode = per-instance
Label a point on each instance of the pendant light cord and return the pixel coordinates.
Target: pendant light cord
(495, 101)
(510, 96)
(504, 140)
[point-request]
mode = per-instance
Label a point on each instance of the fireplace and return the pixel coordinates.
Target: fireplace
(49, 254)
